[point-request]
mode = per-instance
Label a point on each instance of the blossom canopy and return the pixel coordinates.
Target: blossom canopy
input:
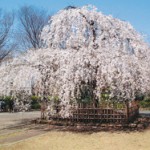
(85, 53)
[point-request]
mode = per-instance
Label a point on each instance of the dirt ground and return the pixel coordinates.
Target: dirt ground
(54, 140)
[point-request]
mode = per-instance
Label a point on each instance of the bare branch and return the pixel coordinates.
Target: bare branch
(32, 21)
(6, 22)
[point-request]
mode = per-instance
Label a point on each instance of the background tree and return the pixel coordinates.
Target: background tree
(6, 45)
(32, 21)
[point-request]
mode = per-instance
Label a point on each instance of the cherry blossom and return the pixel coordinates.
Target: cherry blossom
(84, 51)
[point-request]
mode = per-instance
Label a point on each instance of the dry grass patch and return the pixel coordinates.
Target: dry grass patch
(9, 135)
(82, 141)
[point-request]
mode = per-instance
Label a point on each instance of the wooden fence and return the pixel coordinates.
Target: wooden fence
(98, 115)
(90, 114)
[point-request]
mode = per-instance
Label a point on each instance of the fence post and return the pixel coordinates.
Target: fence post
(127, 110)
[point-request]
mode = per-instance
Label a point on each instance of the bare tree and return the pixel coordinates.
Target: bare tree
(6, 22)
(32, 21)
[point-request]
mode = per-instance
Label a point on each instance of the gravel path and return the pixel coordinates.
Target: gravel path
(16, 126)
(7, 120)
(145, 113)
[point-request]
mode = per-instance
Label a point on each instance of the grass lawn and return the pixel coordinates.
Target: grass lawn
(83, 141)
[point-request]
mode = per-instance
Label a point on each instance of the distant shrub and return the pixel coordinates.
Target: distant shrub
(56, 99)
(35, 102)
(35, 98)
(145, 103)
(35, 105)
(9, 102)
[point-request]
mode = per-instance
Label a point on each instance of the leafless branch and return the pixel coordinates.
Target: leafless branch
(6, 22)
(32, 21)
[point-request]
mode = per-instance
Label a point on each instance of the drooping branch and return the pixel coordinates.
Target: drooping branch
(91, 23)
